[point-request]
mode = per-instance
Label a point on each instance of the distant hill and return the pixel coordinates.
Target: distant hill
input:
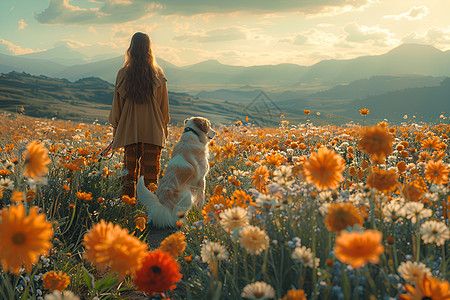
(61, 54)
(90, 99)
(212, 75)
(426, 103)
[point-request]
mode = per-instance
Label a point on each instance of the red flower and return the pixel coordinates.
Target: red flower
(159, 273)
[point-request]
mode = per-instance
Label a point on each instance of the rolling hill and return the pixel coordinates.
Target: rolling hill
(90, 99)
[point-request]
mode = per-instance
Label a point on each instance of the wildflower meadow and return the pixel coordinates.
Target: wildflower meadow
(300, 211)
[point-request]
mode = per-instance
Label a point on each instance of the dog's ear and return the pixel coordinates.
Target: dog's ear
(202, 124)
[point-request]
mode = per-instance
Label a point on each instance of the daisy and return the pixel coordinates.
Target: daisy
(253, 239)
(305, 256)
(415, 211)
(434, 232)
(393, 211)
(233, 218)
(7, 184)
(412, 271)
(258, 291)
(213, 250)
(283, 175)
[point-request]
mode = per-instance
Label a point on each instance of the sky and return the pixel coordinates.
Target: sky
(234, 32)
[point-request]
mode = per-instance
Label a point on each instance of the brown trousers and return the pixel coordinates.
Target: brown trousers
(140, 159)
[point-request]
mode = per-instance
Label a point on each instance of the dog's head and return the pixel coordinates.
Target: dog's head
(202, 128)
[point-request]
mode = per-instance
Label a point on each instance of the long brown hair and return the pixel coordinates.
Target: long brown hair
(141, 70)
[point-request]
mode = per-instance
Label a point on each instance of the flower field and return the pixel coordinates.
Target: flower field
(294, 212)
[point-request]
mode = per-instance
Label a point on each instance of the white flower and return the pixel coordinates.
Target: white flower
(212, 250)
(434, 232)
(416, 211)
(6, 183)
(324, 196)
(267, 201)
(323, 208)
(258, 290)
(57, 295)
(253, 239)
(283, 175)
(411, 271)
(392, 211)
(305, 256)
(233, 218)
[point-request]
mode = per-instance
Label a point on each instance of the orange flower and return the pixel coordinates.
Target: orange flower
(342, 215)
(260, 177)
(229, 150)
(55, 281)
(376, 141)
(306, 112)
(84, 196)
(324, 168)
(427, 288)
(83, 151)
(414, 190)
(158, 273)
(234, 181)
(274, 159)
(401, 166)
(254, 158)
(430, 143)
(152, 187)
(242, 199)
(66, 187)
(110, 245)
(359, 248)
(140, 221)
(23, 238)
(437, 172)
(71, 166)
(384, 181)
(174, 244)
(294, 295)
(364, 112)
(128, 200)
(36, 160)
(216, 205)
(218, 190)
(4, 172)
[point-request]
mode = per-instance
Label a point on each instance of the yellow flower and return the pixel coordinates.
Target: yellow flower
(23, 238)
(174, 244)
(36, 160)
(55, 281)
(110, 245)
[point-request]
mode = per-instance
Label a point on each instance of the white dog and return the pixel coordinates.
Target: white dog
(183, 183)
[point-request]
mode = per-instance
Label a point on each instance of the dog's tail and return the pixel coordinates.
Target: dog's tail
(160, 215)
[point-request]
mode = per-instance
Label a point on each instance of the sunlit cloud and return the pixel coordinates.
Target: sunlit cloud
(415, 13)
(214, 35)
(22, 24)
(376, 35)
(434, 36)
(107, 12)
(15, 49)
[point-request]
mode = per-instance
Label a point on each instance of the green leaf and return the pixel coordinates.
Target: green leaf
(345, 285)
(89, 279)
(106, 283)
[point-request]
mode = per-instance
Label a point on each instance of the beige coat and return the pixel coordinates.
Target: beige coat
(133, 122)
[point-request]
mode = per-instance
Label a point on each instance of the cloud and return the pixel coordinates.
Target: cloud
(14, 49)
(70, 44)
(22, 24)
(378, 36)
(107, 12)
(435, 36)
(215, 35)
(300, 39)
(192, 7)
(415, 13)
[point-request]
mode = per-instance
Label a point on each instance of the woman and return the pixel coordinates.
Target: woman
(140, 113)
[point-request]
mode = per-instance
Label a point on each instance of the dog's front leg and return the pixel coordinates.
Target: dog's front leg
(200, 193)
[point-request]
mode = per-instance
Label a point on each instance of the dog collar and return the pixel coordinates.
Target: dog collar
(187, 129)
